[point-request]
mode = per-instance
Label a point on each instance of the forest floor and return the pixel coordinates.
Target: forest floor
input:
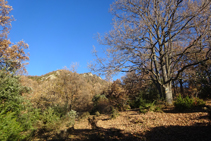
(169, 125)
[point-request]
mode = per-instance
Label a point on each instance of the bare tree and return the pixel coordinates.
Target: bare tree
(69, 87)
(158, 37)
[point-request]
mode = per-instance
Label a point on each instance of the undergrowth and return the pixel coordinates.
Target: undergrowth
(182, 104)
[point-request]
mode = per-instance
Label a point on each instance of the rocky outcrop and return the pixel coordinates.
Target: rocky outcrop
(90, 74)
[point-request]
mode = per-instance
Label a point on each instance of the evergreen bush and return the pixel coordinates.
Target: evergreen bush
(15, 116)
(10, 92)
(182, 104)
(10, 129)
(146, 106)
(72, 115)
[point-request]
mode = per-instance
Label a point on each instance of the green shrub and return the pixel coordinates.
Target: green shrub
(29, 117)
(10, 92)
(97, 114)
(16, 117)
(114, 113)
(71, 116)
(60, 110)
(48, 118)
(199, 102)
(49, 115)
(136, 103)
(158, 109)
(18, 126)
(142, 110)
(140, 101)
(10, 129)
(146, 106)
(182, 104)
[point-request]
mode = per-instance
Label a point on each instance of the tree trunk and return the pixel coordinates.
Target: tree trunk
(67, 103)
(181, 87)
(168, 93)
(158, 86)
(159, 89)
(174, 88)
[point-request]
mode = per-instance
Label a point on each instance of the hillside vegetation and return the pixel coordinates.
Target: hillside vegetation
(65, 105)
(64, 88)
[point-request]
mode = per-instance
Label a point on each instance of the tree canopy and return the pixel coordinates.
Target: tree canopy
(159, 38)
(12, 56)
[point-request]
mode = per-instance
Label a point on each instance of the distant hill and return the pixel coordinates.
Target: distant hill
(64, 87)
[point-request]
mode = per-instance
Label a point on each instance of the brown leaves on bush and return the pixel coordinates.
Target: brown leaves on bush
(63, 87)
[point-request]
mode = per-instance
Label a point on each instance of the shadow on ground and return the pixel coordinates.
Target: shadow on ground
(180, 133)
(193, 110)
(99, 134)
(198, 132)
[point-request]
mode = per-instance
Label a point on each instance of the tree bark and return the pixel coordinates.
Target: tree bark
(174, 87)
(159, 89)
(181, 87)
(158, 86)
(168, 93)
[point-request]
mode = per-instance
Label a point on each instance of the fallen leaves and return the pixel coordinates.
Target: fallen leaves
(132, 121)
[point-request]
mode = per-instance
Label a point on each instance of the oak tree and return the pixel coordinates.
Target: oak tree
(160, 37)
(12, 56)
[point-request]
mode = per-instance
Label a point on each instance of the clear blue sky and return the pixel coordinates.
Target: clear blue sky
(59, 32)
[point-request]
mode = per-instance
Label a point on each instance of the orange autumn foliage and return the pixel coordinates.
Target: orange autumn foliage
(12, 55)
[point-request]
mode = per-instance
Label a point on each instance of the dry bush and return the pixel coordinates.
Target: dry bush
(63, 88)
(101, 104)
(118, 95)
(134, 83)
